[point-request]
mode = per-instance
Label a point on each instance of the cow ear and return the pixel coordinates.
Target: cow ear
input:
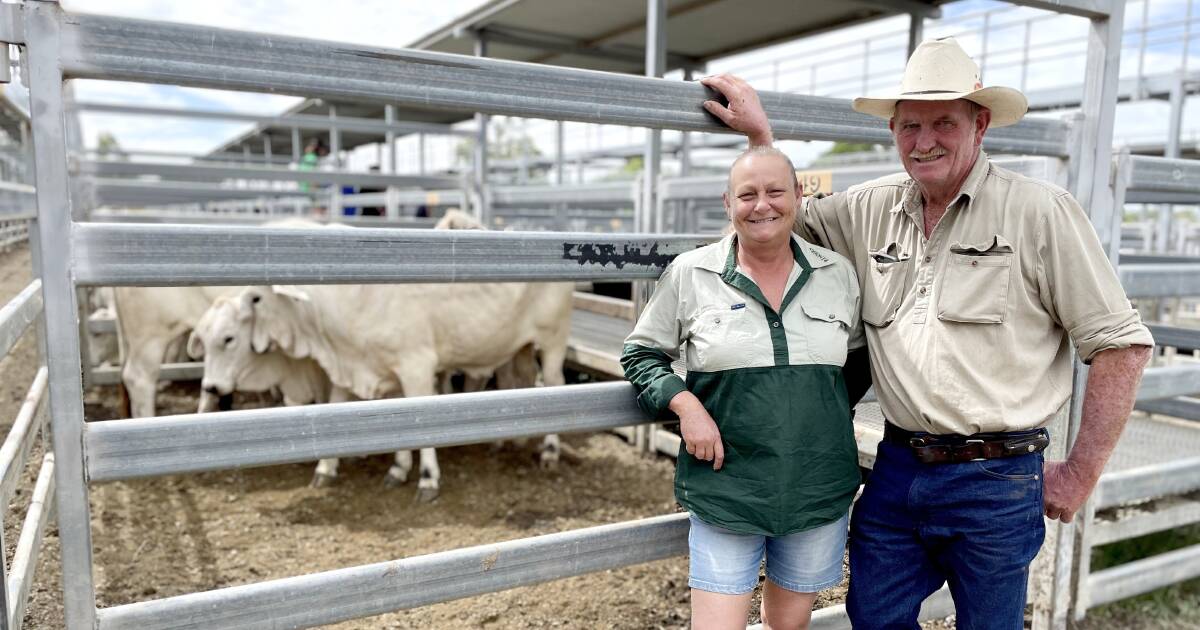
(248, 310)
(296, 293)
(195, 347)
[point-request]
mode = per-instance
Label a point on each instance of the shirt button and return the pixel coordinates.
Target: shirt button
(922, 290)
(831, 316)
(775, 324)
(928, 258)
(974, 263)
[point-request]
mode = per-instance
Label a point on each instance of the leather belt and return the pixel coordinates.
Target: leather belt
(953, 448)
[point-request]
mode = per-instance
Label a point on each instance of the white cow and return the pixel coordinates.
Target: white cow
(151, 319)
(376, 341)
(300, 381)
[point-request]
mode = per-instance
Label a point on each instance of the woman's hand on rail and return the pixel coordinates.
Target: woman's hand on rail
(744, 112)
(701, 437)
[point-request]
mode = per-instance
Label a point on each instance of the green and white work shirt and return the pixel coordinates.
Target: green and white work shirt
(772, 381)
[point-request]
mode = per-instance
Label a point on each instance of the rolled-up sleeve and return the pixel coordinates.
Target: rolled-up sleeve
(1079, 286)
(652, 346)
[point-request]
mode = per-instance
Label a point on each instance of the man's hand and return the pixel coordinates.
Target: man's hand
(744, 113)
(1064, 490)
(700, 434)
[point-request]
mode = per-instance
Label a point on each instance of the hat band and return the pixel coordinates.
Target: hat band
(931, 92)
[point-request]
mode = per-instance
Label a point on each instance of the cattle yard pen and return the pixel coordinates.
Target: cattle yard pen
(58, 46)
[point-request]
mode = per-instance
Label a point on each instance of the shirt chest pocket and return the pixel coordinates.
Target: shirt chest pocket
(826, 328)
(883, 288)
(721, 337)
(976, 281)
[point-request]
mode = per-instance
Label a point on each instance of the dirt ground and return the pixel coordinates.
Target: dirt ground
(168, 536)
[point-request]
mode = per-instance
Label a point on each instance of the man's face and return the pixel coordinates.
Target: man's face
(761, 200)
(938, 140)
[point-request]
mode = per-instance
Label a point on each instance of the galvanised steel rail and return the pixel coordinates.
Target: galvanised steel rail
(18, 314)
(342, 594)
(220, 172)
(1158, 480)
(1143, 576)
(29, 545)
(1163, 180)
(124, 192)
(111, 48)
(25, 428)
(1158, 280)
(61, 46)
(170, 255)
(299, 121)
(143, 447)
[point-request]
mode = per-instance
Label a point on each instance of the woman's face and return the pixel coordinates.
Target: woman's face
(761, 200)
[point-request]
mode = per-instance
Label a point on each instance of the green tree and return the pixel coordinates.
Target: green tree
(107, 147)
(507, 140)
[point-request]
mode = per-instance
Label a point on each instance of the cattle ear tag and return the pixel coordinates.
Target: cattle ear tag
(735, 307)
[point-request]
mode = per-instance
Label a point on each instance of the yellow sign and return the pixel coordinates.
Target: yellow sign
(813, 182)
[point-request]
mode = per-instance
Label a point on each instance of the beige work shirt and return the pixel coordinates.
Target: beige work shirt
(969, 329)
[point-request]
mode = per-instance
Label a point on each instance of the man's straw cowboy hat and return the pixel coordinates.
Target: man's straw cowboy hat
(940, 70)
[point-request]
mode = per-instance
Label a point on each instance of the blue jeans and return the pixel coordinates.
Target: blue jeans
(974, 525)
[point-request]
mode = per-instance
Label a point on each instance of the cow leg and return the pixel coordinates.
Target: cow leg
(326, 472)
(140, 375)
(417, 379)
(552, 375)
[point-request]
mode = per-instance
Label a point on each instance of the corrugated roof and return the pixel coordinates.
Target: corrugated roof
(608, 35)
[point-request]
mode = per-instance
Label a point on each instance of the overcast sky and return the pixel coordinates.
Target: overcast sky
(395, 23)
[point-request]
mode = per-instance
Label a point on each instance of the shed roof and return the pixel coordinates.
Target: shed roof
(608, 35)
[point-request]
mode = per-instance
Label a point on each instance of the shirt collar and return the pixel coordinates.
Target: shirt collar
(720, 260)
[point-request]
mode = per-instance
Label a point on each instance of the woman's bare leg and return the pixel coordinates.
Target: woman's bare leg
(718, 611)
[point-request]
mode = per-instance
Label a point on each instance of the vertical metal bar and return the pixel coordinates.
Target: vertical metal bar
(983, 52)
(268, 156)
(1141, 71)
(866, 66)
(646, 219)
(559, 154)
(1083, 528)
(296, 148)
(391, 205)
(1174, 129)
(420, 154)
(916, 32)
(1187, 39)
(1025, 54)
(335, 156)
(685, 140)
(483, 208)
(1092, 186)
(42, 23)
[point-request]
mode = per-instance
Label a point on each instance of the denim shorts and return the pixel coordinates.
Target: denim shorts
(727, 562)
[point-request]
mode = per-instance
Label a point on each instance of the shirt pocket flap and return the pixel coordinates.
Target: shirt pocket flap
(822, 308)
(995, 246)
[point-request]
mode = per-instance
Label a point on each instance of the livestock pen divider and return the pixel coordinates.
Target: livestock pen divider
(61, 46)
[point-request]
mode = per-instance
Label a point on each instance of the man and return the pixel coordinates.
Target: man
(973, 281)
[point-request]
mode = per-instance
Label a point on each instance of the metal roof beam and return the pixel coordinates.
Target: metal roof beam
(1090, 9)
(110, 48)
(558, 44)
(907, 6)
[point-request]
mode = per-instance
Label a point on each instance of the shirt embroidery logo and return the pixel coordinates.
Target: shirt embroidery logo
(735, 307)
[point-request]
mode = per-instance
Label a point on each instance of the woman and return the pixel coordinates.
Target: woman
(768, 461)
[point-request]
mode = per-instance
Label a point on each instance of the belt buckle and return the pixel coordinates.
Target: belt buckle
(917, 441)
(980, 443)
